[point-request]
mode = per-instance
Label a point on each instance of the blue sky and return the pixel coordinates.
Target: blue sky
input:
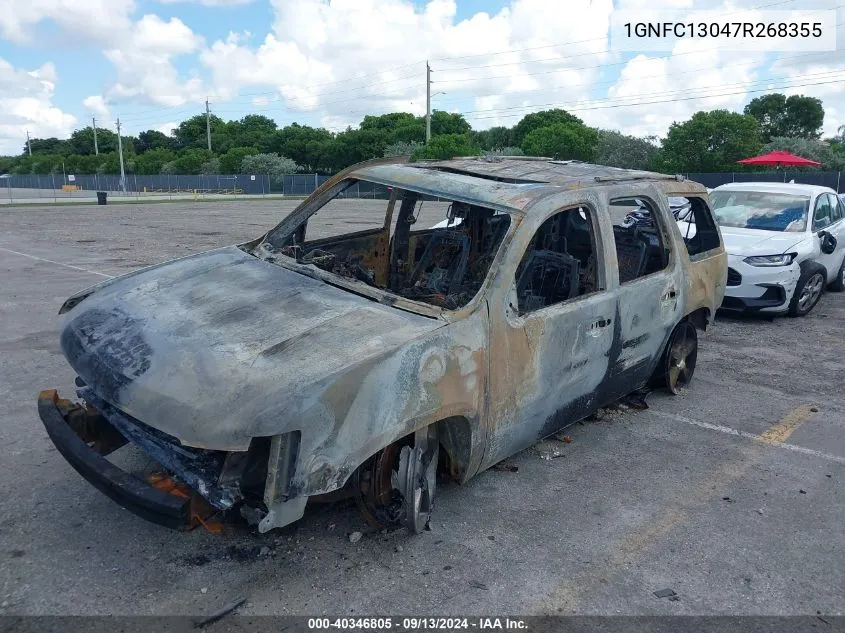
(153, 62)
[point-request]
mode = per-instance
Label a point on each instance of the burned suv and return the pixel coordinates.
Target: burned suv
(315, 362)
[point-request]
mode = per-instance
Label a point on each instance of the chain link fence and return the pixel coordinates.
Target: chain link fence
(36, 188)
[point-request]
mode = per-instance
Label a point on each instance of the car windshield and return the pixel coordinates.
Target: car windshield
(428, 249)
(761, 210)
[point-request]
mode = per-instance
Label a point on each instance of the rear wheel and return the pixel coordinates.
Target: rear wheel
(679, 360)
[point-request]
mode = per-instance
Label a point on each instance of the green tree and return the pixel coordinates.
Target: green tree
(271, 165)
(210, 167)
(388, 122)
(152, 161)
(494, 138)
(192, 132)
(302, 143)
(82, 141)
(710, 141)
(253, 130)
(796, 116)
(152, 139)
(447, 146)
(231, 161)
(545, 118)
(49, 146)
(190, 161)
(448, 123)
(562, 141)
(401, 148)
(629, 152)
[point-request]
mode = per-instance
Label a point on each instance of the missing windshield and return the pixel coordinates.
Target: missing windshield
(434, 250)
(757, 210)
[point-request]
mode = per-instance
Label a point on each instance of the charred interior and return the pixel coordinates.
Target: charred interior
(443, 265)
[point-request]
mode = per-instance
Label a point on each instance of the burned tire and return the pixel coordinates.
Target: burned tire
(678, 363)
(808, 291)
(396, 486)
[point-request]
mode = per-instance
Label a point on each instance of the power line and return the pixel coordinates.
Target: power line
(679, 91)
(673, 100)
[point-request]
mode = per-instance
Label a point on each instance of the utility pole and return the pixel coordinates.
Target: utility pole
(94, 123)
(207, 124)
(28, 145)
(120, 153)
(427, 102)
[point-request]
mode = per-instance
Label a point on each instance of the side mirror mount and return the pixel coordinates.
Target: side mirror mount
(828, 242)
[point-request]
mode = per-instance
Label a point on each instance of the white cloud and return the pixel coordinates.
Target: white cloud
(100, 21)
(97, 105)
(211, 3)
(167, 128)
(145, 73)
(336, 61)
(344, 59)
(26, 103)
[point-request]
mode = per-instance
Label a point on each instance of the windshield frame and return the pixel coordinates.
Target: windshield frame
(268, 248)
(804, 199)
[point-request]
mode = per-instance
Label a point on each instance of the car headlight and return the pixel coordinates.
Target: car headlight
(770, 260)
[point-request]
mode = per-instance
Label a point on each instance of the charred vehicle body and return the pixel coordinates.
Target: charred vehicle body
(313, 363)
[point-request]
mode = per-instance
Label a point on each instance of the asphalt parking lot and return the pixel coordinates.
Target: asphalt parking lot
(731, 494)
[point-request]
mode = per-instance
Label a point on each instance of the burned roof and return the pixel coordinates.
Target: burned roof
(538, 170)
(506, 182)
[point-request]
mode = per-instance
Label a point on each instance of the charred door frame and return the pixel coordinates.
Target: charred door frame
(635, 326)
(523, 378)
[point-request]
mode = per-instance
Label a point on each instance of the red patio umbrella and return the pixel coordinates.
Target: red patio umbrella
(780, 159)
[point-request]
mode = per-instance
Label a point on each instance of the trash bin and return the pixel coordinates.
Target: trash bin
(101, 197)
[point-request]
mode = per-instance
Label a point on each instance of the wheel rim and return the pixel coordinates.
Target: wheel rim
(811, 292)
(419, 464)
(683, 353)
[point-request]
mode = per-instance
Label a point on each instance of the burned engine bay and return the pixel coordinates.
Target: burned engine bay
(443, 265)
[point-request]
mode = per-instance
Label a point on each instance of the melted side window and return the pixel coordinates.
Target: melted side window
(697, 225)
(640, 249)
(560, 263)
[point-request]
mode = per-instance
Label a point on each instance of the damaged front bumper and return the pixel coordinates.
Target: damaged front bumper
(209, 480)
(83, 437)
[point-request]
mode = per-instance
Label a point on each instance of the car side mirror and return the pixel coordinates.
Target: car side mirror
(828, 242)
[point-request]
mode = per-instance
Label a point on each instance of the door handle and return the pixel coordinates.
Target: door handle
(670, 295)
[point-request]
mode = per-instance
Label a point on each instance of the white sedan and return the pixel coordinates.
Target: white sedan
(785, 244)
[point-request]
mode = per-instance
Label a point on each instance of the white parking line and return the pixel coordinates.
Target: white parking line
(50, 261)
(751, 436)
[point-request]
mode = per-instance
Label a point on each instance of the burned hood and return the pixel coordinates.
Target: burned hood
(202, 347)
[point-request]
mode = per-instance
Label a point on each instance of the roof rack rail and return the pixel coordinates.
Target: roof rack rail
(647, 176)
(486, 157)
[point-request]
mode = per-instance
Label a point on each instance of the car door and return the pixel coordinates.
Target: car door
(551, 328)
(824, 220)
(837, 229)
(650, 283)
